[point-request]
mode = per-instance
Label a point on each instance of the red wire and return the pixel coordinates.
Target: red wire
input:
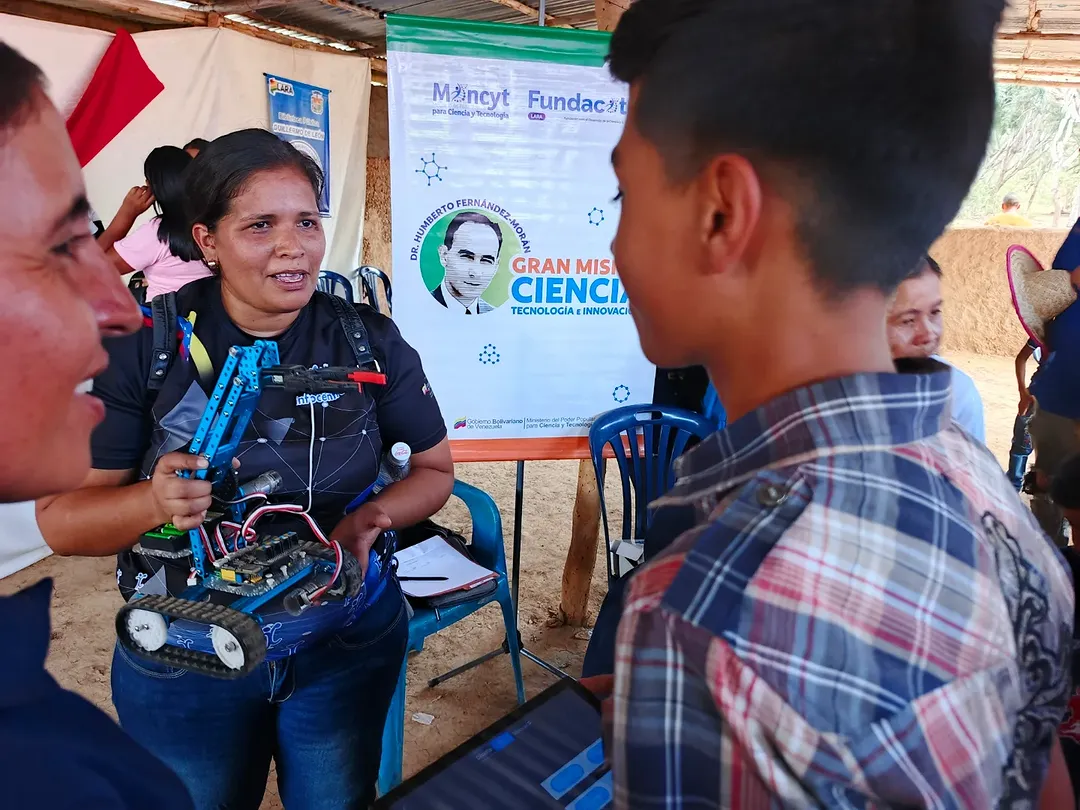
(206, 542)
(247, 530)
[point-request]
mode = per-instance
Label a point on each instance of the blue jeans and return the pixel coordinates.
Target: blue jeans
(319, 715)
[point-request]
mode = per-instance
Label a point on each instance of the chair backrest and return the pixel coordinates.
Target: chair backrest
(646, 440)
(335, 284)
(712, 408)
(371, 279)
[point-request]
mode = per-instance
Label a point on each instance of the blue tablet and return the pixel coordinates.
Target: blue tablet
(545, 755)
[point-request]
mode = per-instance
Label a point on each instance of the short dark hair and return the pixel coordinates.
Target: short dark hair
(164, 170)
(1065, 488)
(196, 143)
(224, 168)
(926, 264)
(21, 79)
(474, 217)
(870, 118)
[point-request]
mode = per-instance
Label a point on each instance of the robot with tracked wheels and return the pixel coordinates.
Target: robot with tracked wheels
(236, 570)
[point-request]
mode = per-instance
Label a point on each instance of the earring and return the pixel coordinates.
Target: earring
(212, 264)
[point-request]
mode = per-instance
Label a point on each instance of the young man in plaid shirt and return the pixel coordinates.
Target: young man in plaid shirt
(865, 614)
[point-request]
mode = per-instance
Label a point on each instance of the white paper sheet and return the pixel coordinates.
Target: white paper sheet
(436, 558)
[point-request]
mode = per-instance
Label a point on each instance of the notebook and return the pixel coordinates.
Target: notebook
(435, 558)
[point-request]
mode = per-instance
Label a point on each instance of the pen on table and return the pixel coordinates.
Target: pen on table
(423, 579)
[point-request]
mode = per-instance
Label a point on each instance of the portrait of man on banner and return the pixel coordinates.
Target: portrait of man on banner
(469, 256)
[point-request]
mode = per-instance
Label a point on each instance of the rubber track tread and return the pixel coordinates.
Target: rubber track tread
(243, 626)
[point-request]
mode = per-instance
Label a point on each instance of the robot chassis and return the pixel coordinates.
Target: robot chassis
(228, 555)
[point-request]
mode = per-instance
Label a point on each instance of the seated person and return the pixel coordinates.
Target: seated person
(915, 326)
(61, 296)
(161, 249)
(318, 713)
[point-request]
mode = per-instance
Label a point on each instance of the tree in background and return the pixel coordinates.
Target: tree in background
(1034, 151)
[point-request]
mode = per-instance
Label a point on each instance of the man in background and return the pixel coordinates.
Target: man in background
(1010, 215)
(59, 296)
(863, 612)
(915, 327)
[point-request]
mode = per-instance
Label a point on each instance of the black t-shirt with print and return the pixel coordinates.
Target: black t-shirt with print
(350, 432)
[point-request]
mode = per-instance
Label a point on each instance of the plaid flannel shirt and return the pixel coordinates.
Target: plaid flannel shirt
(866, 615)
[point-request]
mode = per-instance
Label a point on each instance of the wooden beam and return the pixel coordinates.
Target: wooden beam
(1034, 15)
(280, 39)
(578, 19)
(1035, 81)
(585, 529)
(529, 11)
(243, 6)
(359, 11)
(150, 10)
(304, 32)
(1008, 61)
(1038, 36)
(47, 12)
(608, 13)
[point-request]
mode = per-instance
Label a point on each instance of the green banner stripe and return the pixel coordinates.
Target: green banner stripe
(522, 43)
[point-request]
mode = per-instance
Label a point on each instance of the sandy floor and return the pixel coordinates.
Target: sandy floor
(85, 598)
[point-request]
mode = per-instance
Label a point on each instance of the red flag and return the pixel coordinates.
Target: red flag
(122, 86)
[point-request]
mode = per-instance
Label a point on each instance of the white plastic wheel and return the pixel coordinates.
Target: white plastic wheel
(227, 647)
(147, 629)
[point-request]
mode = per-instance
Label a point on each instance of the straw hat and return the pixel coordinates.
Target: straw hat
(1038, 295)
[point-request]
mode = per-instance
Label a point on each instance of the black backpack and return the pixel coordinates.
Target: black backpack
(165, 319)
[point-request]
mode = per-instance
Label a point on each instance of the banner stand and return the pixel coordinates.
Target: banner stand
(503, 218)
(516, 564)
(519, 505)
(519, 509)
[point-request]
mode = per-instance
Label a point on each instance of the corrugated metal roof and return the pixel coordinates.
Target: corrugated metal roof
(1039, 40)
(341, 24)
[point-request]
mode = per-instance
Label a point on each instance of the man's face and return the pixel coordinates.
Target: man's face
(471, 261)
(657, 248)
(58, 296)
(915, 321)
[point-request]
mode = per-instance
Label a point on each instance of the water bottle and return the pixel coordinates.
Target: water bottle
(394, 467)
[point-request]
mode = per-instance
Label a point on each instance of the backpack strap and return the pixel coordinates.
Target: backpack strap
(355, 331)
(163, 316)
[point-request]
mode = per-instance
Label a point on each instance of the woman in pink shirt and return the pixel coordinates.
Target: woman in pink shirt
(162, 249)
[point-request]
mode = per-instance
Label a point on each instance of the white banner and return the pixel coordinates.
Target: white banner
(503, 216)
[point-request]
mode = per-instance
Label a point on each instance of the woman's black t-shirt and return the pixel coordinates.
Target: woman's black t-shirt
(343, 436)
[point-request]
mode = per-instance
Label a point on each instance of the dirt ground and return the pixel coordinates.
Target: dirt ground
(86, 599)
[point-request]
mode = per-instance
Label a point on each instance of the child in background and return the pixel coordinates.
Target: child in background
(1021, 442)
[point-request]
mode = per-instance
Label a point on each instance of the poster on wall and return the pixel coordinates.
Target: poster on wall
(300, 115)
(503, 212)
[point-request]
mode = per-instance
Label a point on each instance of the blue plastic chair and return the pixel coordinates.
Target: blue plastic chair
(487, 547)
(371, 278)
(645, 440)
(335, 284)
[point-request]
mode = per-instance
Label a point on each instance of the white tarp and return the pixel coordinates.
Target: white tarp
(503, 216)
(214, 84)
